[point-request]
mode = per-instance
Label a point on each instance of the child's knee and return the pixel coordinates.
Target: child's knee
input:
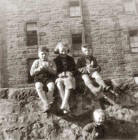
(86, 79)
(96, 75)
(39, 86)
(51, 86)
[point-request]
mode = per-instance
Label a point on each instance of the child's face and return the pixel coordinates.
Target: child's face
(99, 119)
(86, 51)
(63, 51)
(43, 55)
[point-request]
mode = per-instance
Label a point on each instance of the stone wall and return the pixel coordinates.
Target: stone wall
(108, 24)
(3, 47)
(107, 28)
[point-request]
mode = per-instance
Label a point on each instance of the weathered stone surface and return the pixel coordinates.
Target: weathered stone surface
(21, 117)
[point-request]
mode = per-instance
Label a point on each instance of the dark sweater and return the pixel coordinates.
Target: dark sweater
(84, 60)
(93, 129)
(65, 64)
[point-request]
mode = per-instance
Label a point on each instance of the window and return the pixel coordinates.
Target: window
(29, 64)
(31, 34)
(136, 78)
(133, 34)
(76, 43)
(129, 6)
(75, 10)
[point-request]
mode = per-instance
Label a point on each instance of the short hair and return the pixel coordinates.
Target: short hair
(56, 51)
(43, 49)
(97, 112)
(87, 46)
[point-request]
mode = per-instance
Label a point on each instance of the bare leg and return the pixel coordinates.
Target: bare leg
(50, 93)
(99, 79)
(89, 84)
(61, 90)
(65, 99)
(42, 94)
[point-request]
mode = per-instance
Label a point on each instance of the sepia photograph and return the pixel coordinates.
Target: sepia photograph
(68, 69)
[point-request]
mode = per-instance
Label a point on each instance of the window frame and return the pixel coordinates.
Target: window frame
(134, 9)
(27, 31)
(135, 76)
(130, 36)
(76, 52)
(74, 4)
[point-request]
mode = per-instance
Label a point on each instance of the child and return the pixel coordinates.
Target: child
(65, 70)
(43, 72)
(88, 67)
(96, 129)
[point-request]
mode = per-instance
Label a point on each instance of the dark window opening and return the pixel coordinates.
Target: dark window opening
(76, 38)
(31, 34)
(74, 3)
(133, 33)
(76, 43)
(133, 36)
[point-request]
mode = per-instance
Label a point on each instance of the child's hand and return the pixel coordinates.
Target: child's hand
(61, 75)
(89, 68)
(40, 68)
(68, 73)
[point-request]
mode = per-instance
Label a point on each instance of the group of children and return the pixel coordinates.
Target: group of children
(62, 72)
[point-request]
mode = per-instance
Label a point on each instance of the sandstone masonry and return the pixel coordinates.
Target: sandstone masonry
(107, 26)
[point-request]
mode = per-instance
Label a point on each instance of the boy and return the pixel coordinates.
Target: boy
(65, 70)
(88, 67)
(96, 129)
(43, 72)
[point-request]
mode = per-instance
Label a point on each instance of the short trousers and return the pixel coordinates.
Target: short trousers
(44, 79)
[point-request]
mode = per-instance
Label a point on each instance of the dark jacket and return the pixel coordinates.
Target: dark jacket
(81, 64)
(65, 64)
(92, 128)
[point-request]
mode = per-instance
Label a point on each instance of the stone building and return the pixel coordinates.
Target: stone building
(111, 27)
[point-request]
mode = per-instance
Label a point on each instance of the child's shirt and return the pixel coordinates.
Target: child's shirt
(48, 72)
(96, 131)
(87, 60)
(65, 64)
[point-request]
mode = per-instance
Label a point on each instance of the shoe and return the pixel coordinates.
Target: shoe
(45, 108)
(65, 111)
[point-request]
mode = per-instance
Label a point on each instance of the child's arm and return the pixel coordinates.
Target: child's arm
(86, 130)
(73, 66)
(81, 67)
(52, 68)
(88, 127)
(96, 67)
(35, 69)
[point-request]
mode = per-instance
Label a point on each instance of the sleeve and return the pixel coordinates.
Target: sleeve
(34, 69)
(52, 68)
(88, 127)
(73, 66)
(81, 68)
(96, 66)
